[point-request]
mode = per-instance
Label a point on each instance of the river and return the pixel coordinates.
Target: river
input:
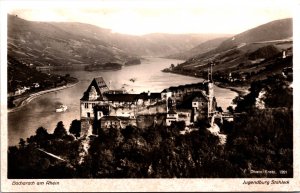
(148, 76)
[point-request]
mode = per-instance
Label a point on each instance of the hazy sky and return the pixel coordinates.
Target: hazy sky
(167, 16)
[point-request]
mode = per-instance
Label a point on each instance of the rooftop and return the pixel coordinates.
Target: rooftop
(187, 100)
(199, 85)
(122, 97)
(100, 86)
(114, 118)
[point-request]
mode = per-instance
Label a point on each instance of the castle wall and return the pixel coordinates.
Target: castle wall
(184, 116)
(110, 123)
(123, 112)
(86, 108)
(146, 121)
(161, 108)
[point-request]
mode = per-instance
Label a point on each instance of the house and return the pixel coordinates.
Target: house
(35, 85)
(21, 90)
(287, 72)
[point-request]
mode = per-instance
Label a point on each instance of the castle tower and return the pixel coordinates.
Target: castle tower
(171, 111)
(91, 97)
(171, 104)
(283, 54)
(210, 92)
(210, 96)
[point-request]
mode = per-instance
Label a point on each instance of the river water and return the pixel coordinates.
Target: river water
(148, 76)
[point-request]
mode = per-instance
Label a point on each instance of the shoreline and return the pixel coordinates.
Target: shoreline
(240, 90)
(33, 96)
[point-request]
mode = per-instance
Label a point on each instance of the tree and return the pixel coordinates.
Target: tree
(230, 109)
(60, 130)
(178, 125)
(10, 102)
(41, 136)
(219, 109)
(114, 137)
(22, 143)
(75, 128)
(41, 132)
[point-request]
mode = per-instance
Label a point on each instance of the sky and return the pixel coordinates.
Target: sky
(138, 17)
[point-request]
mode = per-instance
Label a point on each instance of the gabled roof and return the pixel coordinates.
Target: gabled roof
(131, 97)
(152, 95)
(184, 110)
(200, 99)
(199, 85)
(101, 83)
(114, 118)
(121, 97)
(100, 87)
(172, 111)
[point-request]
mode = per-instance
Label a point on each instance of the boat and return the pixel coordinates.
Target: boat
(61, 108)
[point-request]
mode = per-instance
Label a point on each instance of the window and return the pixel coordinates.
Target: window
(86, 105)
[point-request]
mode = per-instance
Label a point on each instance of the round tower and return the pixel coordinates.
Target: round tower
(210, 92)
(210, 96)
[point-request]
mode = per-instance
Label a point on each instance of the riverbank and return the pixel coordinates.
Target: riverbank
(27, 99)
(240, 90)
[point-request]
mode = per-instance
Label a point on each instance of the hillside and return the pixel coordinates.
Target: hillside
(24, 80)
(201, 48)
(159, 44)
(77, 44)
(57, 44)
(247, 56)
(275, 30)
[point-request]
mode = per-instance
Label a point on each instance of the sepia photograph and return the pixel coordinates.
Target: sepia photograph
(129, 91)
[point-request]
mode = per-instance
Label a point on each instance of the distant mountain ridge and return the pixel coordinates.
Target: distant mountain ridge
(68, 43)
(202, 48)
(275, 30)
(255, 52)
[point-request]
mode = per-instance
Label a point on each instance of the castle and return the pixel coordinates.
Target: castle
(105, 108)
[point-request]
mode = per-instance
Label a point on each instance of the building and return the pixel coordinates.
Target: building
(105, 108)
